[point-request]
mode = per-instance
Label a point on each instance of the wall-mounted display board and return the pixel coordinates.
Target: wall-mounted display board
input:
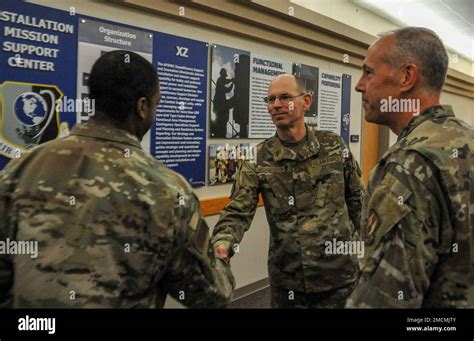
(45, 61)
(331, 91)
(38, 60)
(239, 83)
(178, 136)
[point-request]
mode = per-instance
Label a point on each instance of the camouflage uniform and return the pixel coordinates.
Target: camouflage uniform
(310, 197)
(115, 228)
(418, 218)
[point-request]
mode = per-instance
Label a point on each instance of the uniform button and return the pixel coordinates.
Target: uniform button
(308, 253)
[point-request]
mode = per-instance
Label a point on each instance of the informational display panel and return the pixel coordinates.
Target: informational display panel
(330, 96)
(239, 82)
(98, 37)
(263, 70)
(331, 91)
(39, 50)
(45, 62)
(178, 137)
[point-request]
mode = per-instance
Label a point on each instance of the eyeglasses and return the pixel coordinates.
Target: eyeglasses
(284, 99)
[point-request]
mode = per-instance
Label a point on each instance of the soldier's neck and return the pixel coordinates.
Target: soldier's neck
(292, 134)
(127, 125)
(402, 119)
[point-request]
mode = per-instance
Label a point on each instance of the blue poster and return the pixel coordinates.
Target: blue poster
(178, 136)
(37, 75)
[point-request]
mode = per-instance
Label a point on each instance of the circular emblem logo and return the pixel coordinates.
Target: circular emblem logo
(30, 108)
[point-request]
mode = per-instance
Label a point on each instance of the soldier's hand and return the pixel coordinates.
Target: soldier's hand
(221, 252)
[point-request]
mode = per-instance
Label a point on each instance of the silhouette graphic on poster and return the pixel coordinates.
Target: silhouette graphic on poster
(229, 114)
(222, 104)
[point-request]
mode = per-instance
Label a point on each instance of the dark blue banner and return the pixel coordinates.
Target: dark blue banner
(178, 136)
(38, 72)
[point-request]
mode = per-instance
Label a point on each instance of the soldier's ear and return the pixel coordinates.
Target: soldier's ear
(408, 77)
(308, 99)
(142, 105)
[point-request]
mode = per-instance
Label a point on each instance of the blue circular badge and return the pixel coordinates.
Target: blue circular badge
(30, 108)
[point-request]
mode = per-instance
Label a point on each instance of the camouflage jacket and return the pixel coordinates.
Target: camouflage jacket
(115, 228)
(310, 198)
(417, 219)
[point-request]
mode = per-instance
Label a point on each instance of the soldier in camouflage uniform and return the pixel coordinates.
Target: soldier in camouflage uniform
(312, 192)
(418, 215)
(115, 228)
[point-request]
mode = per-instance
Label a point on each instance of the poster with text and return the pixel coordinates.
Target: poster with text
(229, 110)
(310, 75)
(329, 104)
(37, 71)
(262, 70)
(97, 38)
(178, 136)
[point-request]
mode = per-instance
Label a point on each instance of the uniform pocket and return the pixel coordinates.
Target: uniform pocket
(276, 194)
(328, 187)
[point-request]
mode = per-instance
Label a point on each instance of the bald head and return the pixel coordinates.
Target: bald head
(291, 80)
(287, 102)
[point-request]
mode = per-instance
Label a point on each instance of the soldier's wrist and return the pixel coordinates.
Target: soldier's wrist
(218, 243)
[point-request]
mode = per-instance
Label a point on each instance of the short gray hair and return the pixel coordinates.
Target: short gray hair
(423, 47)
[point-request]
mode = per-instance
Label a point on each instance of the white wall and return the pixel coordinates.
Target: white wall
(463, 107)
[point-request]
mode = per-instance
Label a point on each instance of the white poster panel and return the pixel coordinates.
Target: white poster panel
(330, 97)
(262, 70)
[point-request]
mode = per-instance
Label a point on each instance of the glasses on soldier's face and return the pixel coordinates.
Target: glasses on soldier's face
(284, 98)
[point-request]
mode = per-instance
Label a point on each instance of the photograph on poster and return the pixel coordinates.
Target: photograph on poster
(310, 75)
(224, 160)
(229, 113)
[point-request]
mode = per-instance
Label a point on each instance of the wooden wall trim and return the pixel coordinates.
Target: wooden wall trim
(213, 206)
(224, 17)
(305, 32)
